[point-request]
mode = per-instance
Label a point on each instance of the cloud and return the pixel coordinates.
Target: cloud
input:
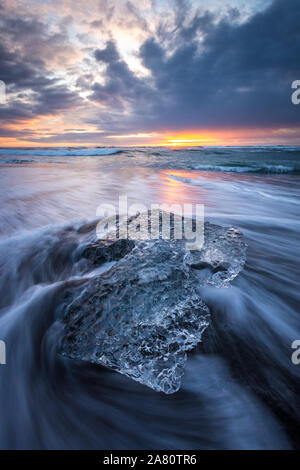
(143, 67)
(32, 88)
(122, 88)
(239, 75)
(109, 54)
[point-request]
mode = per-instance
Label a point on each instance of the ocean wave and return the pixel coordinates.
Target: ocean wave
(224, 150)
(14, 161)
(63, 152)
(263, 169)
(188, 149)
(256, 149)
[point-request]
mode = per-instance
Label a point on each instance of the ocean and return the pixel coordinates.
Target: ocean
(240, 389)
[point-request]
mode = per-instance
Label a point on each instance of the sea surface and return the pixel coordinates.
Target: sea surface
(240, 390)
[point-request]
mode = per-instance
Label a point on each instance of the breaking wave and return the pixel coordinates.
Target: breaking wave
(263, 169)
(14, 161)
(63, 152)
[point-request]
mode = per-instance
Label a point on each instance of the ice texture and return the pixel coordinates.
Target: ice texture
(142, 315)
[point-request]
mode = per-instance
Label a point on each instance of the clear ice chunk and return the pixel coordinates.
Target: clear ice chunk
(145, 313)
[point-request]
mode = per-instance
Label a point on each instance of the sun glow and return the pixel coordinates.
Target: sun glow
(190, 140)
(220, 137)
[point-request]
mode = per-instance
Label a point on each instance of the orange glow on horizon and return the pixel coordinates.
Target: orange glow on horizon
(192, 138)
(49, 126)
(231, 137)
(189, 142)
(216, 137)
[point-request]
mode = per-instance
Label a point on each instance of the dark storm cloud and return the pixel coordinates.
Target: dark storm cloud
(107, 55)
(13, 71)
(240, 74)
(122, 86)
(24, 47)
(14, 113)
(54, 99)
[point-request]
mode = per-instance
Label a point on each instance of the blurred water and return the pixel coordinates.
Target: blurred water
(240, 389)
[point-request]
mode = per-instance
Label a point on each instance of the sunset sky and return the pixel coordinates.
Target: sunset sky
(149, 72)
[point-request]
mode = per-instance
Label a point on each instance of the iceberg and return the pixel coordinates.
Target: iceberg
(142, 316)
